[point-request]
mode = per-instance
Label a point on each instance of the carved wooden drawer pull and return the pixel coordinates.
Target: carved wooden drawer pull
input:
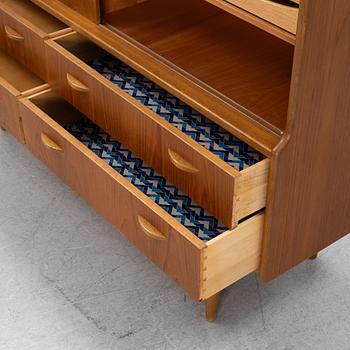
(149, 229)
(75, 84)
(181, 163)
(50, 144)
(12, 34)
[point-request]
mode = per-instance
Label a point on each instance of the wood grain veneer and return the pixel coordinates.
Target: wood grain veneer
(245, 65)
(232, 255)
(254, 20)
(88, 8)
(179, 255)
(309, 192)
(112, 5)
(9, 116)
(198, 267)
(279, 13)
(226, 193)
(15, 79)
(179, 83)
(23, 29)
(33, 14)
(16, 74)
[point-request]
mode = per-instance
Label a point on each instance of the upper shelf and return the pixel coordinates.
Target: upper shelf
(278, 17)
(243, 65)
(229, 70)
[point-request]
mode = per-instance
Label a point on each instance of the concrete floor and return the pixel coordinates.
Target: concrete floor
(69, 281)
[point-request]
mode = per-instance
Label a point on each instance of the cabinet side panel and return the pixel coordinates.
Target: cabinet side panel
(309, 188)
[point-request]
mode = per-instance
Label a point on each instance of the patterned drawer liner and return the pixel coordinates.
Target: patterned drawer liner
(156, 187)
(208, 134)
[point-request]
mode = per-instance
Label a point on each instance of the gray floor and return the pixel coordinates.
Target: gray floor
(69, 281)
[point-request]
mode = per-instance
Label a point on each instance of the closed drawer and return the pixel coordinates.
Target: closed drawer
(105, 174)
(212, 169)
(15, 80)
(23, 27)
(283, 14)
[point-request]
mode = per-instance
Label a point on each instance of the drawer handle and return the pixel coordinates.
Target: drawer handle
(48, 143)
(149, 229)
(75, 84)
(12, 34)
(181, 163)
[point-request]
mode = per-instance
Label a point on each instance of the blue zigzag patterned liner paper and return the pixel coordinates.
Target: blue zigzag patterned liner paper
(208, 134)
(156, 187)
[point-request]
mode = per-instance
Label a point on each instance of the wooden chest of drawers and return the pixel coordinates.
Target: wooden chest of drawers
(190, 126)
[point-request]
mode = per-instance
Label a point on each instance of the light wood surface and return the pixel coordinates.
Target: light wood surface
(49, 143)
(112, 5)
(16, 74)
(246, 66)
(9, 116)
(32, 14)
(251, 189)
(23, 27)
(88, 8)
(181, 163)
(211, 307)
(308, 206)
(15, 80)
(150, 230)
(75, 84)
(195, 170)
(232, 255)
(279, 14)
(109, 193)
(177, 82)
(254, 20)
(12, 34)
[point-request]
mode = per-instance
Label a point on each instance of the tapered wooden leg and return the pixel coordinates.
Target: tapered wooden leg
(211, 307)
(313, 257)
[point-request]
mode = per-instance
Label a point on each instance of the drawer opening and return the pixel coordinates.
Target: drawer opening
(228, 148)
(17, 75)
(35, 15)
(123, 161)
(85, 158)
(243, 65)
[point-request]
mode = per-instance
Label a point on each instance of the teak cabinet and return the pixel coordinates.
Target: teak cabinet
(212, 134)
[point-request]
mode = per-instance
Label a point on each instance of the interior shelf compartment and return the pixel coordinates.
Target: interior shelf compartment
(237, 62)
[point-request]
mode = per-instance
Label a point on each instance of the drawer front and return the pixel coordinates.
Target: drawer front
(232, 255)
(283, 16)
(177, 252)
(23, 42)
(88, 8)
(185, 163)
(9, 116)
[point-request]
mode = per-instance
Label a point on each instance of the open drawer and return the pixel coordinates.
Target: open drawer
(239, 63)
(168, 227)
(23, 28)
(220, 172)
(15, 80)
(229, 70)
